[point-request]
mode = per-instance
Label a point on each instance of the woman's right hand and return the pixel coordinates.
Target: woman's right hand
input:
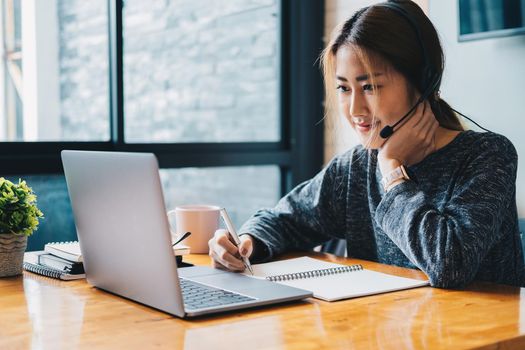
(225, 254)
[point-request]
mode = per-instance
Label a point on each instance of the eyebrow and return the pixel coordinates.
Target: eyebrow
(360, 77)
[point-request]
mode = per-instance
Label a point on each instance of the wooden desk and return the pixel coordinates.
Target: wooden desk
(42, 313)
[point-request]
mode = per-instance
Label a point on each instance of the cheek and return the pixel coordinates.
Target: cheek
(391, 110)
(344, 107)
(341, 100)
(387, 117)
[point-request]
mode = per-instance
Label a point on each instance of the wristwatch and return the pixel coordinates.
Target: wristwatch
(389, 179)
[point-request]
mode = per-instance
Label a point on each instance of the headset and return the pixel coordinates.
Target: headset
(430, 79)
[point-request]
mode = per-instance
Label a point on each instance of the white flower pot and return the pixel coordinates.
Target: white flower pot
(12, 248)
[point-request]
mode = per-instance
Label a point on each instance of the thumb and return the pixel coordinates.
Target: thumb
(246, 246)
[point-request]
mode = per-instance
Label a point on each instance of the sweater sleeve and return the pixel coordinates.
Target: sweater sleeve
(449, 242)
(310, 214)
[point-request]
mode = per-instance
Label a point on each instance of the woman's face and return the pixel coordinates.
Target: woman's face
(366, 110)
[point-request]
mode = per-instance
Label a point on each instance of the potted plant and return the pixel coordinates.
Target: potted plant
(18, 219)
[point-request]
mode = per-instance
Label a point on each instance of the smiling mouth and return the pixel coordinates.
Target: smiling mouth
(365, 127)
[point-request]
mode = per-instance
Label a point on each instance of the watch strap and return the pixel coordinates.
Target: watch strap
(395, 175)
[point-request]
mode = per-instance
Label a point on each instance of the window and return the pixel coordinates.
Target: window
(201, 71)
(11, 71)
(54, 71)
(227, 95)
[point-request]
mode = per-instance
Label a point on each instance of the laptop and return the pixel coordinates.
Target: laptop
(125, 241)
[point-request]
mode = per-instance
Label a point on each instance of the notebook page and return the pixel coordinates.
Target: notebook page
(68, 247)
(337, 286)
(354, 284)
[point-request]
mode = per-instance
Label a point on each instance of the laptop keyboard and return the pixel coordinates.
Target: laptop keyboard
(199, 296)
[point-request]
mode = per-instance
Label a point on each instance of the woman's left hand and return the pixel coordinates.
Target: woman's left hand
(412, 142)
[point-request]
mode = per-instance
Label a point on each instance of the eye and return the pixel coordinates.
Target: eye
(370, 87)
(342, 88)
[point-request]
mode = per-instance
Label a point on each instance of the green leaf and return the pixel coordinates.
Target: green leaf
(18, 210)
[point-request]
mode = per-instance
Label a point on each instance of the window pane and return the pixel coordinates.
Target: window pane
(57, 50)
(201, 71)
(241, 190)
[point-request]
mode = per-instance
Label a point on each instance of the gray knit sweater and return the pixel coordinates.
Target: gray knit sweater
(456, 220)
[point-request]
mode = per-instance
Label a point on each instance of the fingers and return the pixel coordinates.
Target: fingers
(223, 240)
(420, 111)
(430, 124)
(217, 265)
(427, 129)
(246, 246)
(424, 118)
(417, 126)
(224, 253)
(224, 259)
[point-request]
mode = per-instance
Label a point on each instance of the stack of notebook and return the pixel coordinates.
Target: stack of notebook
(57, 260)
(64, 261)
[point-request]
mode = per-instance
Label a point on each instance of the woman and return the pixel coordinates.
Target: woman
(430, 195)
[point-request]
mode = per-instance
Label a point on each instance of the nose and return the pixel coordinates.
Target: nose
(358, 106)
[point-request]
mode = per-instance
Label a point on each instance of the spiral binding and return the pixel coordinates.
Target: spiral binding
(62, 243)
(314, 273)
(43, 270)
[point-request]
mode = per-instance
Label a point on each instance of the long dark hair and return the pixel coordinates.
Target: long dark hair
(378, 31)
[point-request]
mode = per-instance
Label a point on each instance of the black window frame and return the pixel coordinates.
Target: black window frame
(299, 153)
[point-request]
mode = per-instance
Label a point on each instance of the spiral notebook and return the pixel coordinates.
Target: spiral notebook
(31, 264)
(331, 282)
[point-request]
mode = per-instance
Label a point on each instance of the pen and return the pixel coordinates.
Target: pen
(183, 237)
(235, 237)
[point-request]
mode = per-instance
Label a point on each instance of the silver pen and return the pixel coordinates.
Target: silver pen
(233, 233)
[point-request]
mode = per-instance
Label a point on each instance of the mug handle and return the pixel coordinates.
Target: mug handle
(174, 235)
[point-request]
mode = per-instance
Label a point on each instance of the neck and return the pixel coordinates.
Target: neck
(444, 136)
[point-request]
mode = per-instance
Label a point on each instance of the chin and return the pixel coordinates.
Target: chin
(371, 142)
(370, 146)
